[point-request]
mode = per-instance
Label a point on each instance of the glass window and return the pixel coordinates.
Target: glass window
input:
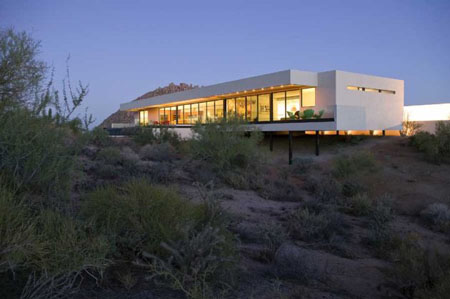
(264, 107)
(173, 115)
(219, 110)
(162, 118)
(293, 104)
(202, 113)
(240, 107)
(143, 117)
(308, 97)
(187, 114)
(231, 108)
(210, 111)
(180, 115)
(194, 113)
(279, 106)
(252, 111)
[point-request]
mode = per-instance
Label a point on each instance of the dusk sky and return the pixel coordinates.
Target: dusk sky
(126, 48)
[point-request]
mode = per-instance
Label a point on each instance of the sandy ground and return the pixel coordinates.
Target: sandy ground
(412, 182)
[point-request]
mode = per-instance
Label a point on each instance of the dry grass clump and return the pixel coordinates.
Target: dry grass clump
(346, 166)
(437, 215)
(158, 152)
(322, 224)
(420, 272)
(272, 234)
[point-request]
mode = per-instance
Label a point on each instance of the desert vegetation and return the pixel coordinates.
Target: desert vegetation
(151, 215)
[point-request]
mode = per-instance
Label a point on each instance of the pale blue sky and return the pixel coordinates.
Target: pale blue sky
(126, 48)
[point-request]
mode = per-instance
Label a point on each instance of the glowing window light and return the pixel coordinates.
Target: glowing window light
(431, 112)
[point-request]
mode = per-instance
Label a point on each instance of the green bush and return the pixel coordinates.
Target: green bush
(68, 246)
(156, 134)
(201, 261)
(17, 232)
(138, 217)
(110, 155)
(345, 166)
(436, 147)
(35, 155)
(99, 137)
(52, 248)
(187, 245)
(226, 145)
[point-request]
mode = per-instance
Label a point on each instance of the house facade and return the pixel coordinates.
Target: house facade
(290, 100)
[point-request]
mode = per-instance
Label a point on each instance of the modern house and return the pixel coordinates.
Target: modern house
(329, 102)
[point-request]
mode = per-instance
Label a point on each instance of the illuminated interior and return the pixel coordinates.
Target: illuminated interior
(143, 118)
(280, 105)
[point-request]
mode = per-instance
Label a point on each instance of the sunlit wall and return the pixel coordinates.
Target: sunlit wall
(427, 112)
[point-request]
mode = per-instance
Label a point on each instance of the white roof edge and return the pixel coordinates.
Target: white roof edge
(383, 77)
(256, 82)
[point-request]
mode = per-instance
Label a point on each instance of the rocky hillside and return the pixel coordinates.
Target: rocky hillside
(128, 117)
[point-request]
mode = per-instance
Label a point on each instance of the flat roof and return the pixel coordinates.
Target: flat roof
(277, 79)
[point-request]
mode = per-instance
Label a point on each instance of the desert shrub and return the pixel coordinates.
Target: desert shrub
(138, 216)
(199, 262)
(419, 272)
(68, 246)
(158, 152)
(272, 234)
(52, 248)
(409, 128)
(352, 187)
(144, 135)
(129, 155)
(309, 225)
(437, 215)
(35, 155)
(301, 165)
(345, 166)
(276, 189)
(165, 135)
(201, 258)
(226, 145)
(109, 155)
(196, 253)
(99, 137)
(156, 134)
(17, 232)
(107, 171)
(358, 205)
(436, 147)
(326, 190)
(381, 235)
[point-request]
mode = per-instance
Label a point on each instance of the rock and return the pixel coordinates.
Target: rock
(357, 277)
(89, 151)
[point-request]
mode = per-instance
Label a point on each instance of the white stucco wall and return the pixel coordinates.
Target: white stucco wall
(362, 110)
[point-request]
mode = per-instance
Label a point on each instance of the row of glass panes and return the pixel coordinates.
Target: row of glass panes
(285, 105)
(191, 113)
